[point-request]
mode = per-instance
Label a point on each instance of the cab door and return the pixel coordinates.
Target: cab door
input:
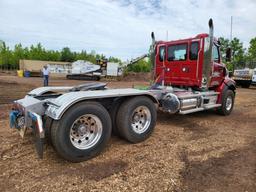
(218, 70)
(193, 63)
(160, 60)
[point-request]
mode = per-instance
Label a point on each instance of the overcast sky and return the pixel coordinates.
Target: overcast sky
(120, 28)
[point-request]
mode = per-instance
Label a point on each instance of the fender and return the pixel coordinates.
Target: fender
(60, 105)
(41, 90)
(228, 83)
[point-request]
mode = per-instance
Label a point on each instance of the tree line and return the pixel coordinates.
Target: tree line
(9, 58)
(241, 57)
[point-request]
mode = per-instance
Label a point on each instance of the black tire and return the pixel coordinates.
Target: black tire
(61, 131)
(125, 118)
(47, 128)
(97, 78)
(245, 84)
(238, 83)
(113, 114)
(224, 109)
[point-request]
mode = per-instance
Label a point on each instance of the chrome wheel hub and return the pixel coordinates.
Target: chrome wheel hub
(85, 131)
(229, 103)
(141, 119)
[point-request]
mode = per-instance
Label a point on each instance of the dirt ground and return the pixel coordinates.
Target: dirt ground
(197, 152)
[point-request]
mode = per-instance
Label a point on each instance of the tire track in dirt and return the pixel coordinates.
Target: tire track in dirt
(233, 169)
(103, 170)
(12, 91)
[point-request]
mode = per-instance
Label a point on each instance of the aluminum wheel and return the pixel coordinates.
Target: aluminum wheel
(141, 119)
(85, 131)
(229, 103)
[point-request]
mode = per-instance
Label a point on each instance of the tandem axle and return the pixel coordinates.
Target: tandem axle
(79, 120)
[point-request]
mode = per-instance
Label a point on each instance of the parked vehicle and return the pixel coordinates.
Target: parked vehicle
(244, 77)
(254, 77)
(188, 75)
(85, 70)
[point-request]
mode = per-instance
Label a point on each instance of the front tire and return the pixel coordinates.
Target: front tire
(82, 132)
(136, 119)
(227, 104)
(246, 84)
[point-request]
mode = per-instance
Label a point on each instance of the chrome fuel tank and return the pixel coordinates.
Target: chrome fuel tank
(189, 103)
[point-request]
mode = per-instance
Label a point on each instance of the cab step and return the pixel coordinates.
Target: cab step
(205, 107)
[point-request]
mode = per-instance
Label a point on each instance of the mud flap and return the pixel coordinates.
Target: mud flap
(39, 142)
(37, 126)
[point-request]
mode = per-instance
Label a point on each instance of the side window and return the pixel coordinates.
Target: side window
(193, 53)
(161, 53)
(215, 55)
(177, 52)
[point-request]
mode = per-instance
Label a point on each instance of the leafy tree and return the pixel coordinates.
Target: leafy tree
(67, 55)
(252, 49)
(6, 56)
(251, 55)
(18, 53)
(113, 59)
(37, 52)
(81, 56)
(140, 66)
(237, 51)
(224, 44)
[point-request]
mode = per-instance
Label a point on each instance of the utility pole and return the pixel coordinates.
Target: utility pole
(231, 26)
(231, 31)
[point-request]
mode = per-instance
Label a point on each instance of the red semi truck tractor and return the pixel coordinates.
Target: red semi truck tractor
(188, 76)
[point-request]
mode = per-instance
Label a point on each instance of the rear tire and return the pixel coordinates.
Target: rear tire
(113, 114)
(136, 119)
(245, 84)
(227, 103)
(82, 132)
(48, 124)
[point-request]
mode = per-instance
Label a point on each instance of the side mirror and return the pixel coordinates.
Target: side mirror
(219, 42)
(228, 54)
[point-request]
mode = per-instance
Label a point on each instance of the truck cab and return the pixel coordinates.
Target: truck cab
(183, 62)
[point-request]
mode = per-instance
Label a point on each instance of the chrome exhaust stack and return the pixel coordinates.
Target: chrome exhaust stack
(207, 63)
(152, 56)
